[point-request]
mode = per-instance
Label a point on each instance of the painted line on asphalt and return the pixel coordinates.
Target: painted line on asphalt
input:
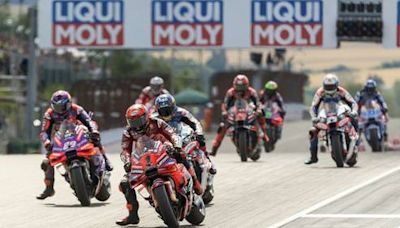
(372, 216)
(330, 200)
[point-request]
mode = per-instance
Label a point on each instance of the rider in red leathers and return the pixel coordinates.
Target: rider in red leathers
(151, 92)
(140, 123)
(241, 89)
(61, 109)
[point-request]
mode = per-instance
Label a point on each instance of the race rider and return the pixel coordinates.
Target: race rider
(370, 92)
(140, 123)
(241, 89)
(62, 109)
(271, 94)
(151, 92)
(330, 89)
(167, 110)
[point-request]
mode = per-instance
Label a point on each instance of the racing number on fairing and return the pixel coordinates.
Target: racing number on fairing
(69, 145)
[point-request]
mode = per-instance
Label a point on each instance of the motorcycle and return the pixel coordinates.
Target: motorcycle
(336, 130)
(243, 130)
(372, 122)
(201, 163)
(80, 163)
(274, 122)
(169, 184)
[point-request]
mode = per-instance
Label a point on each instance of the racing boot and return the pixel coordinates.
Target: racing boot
(214, 150)
(131, 219)
(313, 151)
(109, 166)
(213, 169)
(312, 160)
(198, 189)
(218, 139)
(48, 191)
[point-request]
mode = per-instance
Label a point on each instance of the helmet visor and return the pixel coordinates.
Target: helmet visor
(156, 88)
(60, 107)
(370, 89)
(165, 111)
(241, 87)
(330, 88)
(137, 124)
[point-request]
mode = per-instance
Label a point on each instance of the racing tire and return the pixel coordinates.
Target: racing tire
(80, 185)
(242, 144)
(165, 207)
(337, 149)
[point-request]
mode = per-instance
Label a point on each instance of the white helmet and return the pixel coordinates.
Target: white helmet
(331, 84)
(156, 84)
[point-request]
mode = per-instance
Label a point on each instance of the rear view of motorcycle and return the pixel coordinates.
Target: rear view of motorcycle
(81, 163)
(243, 131)
(336, 130)
(372, 123)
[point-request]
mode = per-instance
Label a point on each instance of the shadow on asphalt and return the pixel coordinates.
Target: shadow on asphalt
(181, 226)
(334, 167)
(209, 205)
(74, 205)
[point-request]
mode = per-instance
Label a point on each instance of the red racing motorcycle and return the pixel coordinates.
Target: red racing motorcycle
(169, 185)
(243, 130)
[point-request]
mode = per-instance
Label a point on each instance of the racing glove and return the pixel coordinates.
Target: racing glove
(127, 167)
(201, 140)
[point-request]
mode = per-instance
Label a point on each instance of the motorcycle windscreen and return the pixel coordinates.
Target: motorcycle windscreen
(331, 108)
(144, 145)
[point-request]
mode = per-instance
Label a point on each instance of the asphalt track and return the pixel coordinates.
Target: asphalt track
(277, 191)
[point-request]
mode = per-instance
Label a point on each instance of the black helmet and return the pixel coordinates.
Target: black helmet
(370, 86)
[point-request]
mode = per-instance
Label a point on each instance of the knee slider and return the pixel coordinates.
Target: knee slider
(124, 186)
(45, 164)
(313, 132)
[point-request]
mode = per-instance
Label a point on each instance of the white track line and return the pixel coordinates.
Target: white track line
(332, 199)
(372, 216)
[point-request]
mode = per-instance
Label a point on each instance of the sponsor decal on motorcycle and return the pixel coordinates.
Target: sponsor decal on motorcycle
(88, 23)
(287, 23)
(187, 23)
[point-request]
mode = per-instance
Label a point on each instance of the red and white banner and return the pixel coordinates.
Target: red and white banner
(147, 24)
(391, 23)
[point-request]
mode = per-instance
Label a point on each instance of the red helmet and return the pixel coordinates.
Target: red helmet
(137, 117)
(241, 83)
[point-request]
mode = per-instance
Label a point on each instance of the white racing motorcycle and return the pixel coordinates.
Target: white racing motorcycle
(336, 130)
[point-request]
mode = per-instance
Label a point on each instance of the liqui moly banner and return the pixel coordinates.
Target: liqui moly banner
(287, 23)
(87, 23)
(187, 23)
(146, 24)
